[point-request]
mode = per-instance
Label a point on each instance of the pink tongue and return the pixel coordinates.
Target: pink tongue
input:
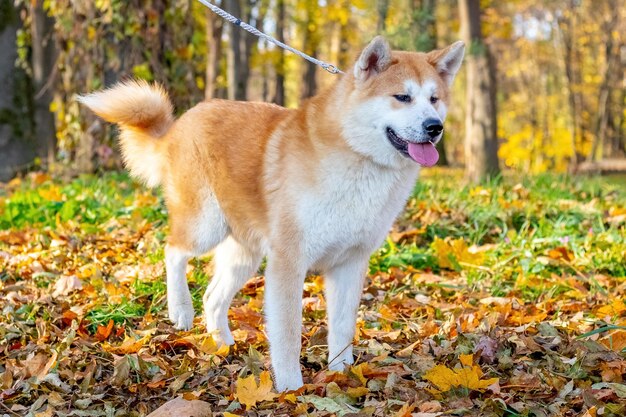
(424, 153)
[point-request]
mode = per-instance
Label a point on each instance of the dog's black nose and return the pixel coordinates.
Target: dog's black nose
(433, 127)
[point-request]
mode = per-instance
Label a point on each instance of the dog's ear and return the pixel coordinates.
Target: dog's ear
(375, 58)
(447, 61)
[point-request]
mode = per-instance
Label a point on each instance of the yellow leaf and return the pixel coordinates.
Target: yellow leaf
(357, 392)
(358, 372)
(91, 33)
(51, 194)
(441, 376)
(249, 393)
(129, 345)
(467, 360)
(405, 411)
(616, 308)
(445, 378)
(227, 414)
(291, 397)
(450, 251)
(206, 343)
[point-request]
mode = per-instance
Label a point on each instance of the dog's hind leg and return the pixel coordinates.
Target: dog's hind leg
(179, 305)
(193, 232)
(234, 265)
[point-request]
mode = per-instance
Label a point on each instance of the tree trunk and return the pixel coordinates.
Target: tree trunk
(44, 78)
(279, 94)
(309, 79)
(215, 27)
(612, 61)
(566, 26)
(311, 45)
(16, 147)
(345, 58)
(251, 41)
(236, 83)
(481, 142)
(383, 10)
(620, 140)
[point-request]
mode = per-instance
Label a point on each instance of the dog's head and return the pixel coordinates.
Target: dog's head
(398, 103)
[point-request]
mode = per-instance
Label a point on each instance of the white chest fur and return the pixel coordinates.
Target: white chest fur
(351, 208)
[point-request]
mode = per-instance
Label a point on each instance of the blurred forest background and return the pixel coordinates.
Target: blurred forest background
(543, 86)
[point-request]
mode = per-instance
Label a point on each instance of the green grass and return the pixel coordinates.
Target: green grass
(86, 200)
(120, 313)
(521, 219)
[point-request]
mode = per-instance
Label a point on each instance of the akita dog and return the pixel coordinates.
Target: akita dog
(316, 188)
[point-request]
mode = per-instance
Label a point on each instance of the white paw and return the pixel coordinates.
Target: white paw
(221, 333)
(222, 337)
(181, 315)
(340, 362)
(287, 381)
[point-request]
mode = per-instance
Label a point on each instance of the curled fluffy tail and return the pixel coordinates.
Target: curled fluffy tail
(144, 113)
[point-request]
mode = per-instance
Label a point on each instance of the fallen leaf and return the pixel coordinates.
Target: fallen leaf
(452, 252)
(561, 252)
(324, 404)
(358, 370)
(466, 360)
(66, 284)
(39, 365)
(619, 389)
(121, 370)
(430, 407)
(445, 378)
(616, 308)
(179, 407)
(103, 332)
(249, 393)
(129, 345)
(487, 348)
(405, 411)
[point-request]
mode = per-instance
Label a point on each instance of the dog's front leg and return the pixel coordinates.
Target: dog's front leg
(343, 285)
(284, 282)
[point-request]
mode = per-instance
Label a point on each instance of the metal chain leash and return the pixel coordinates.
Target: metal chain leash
(232, 19)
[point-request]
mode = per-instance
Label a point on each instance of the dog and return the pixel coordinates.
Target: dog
(314, 188)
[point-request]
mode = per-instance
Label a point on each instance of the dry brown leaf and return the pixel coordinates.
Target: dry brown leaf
(66, 284)
(179, 407)
(39, 365)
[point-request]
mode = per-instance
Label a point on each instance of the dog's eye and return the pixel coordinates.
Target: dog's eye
(403, 98)
(434, 99)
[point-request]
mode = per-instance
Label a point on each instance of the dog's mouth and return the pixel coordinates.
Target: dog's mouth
(424, 153)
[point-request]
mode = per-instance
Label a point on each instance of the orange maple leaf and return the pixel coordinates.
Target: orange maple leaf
(104, 332)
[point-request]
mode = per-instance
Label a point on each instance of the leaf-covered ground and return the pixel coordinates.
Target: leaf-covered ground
(500, 300)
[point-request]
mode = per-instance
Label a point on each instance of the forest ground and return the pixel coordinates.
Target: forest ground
(505, 299)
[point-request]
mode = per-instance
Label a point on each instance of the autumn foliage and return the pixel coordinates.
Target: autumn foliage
(505, 299)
